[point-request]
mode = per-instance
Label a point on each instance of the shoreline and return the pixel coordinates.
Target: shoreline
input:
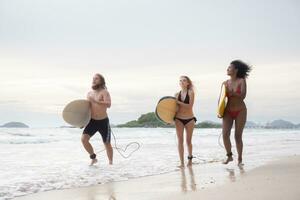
(209, 182)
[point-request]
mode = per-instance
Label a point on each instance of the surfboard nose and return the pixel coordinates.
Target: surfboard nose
(77, 113)
(166, 109)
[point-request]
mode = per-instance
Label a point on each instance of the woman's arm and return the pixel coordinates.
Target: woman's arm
(106, 99)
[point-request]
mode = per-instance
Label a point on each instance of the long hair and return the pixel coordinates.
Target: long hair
(243, 68)
(190, 82)
(102, 84)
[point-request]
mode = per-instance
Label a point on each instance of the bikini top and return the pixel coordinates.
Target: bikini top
(238, 89)
(186, 100)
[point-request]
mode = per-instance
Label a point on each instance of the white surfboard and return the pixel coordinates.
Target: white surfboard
(77, 113)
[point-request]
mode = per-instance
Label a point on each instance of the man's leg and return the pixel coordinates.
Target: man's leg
(85, 139)
(109, 152)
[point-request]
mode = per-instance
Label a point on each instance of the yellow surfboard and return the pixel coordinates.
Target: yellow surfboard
(222, 101)
(77, 113)
(166, 109)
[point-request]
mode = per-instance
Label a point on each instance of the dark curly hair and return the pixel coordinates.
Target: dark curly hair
(243, 68)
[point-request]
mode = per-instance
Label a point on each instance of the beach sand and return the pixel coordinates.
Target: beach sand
(276, 180)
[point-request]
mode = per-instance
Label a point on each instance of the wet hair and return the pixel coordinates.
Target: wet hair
(191, 85)
(243, 68)
(102, 83)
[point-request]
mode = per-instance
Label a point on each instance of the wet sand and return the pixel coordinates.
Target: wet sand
(276, 180)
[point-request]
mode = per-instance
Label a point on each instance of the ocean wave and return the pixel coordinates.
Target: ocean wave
(83, 176)
(17, 134)
(40, 141)
(63, 163)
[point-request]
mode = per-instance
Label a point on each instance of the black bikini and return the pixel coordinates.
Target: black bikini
(186, 101)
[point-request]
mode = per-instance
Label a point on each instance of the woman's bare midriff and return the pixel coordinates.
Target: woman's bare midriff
(184, 113)
(235, 104)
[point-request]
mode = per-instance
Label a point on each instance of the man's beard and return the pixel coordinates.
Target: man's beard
(96, 87)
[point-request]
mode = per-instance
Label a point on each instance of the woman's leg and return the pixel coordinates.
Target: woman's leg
(239, 127)
(189, 128)
(179, 130)
(226, 129)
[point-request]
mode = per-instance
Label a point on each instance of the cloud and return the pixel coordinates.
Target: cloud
(48, 58)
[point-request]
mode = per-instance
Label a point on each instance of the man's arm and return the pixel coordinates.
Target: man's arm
(106, 99)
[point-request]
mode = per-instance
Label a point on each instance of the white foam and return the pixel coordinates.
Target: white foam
(35, 160)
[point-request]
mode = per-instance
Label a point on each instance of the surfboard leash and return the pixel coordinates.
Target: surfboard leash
(120, 150)
(197, 155)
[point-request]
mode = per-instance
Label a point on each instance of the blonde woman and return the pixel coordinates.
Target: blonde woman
(185, 119)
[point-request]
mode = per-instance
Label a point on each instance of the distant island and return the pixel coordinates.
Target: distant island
(282, 124)
(149, 120)
(14, 125)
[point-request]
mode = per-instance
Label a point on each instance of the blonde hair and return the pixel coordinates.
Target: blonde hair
(190, 83)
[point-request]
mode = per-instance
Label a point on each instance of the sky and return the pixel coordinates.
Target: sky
(49, 51)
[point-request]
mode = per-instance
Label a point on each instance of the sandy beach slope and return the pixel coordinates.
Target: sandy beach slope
(278, 180)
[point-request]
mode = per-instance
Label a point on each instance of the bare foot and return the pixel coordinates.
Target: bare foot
(229, 159)
(181, 166)
(241, 167)
(94, 161)
(110, 162)
(240, 163)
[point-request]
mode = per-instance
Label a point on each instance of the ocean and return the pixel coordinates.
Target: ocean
(42, 159)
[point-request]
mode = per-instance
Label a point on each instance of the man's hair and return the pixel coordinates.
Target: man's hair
(102, 82)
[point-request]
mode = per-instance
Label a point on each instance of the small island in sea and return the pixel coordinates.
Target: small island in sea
(149, 120)
(14, 125)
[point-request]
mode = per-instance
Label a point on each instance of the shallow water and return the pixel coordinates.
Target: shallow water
(35, 160)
